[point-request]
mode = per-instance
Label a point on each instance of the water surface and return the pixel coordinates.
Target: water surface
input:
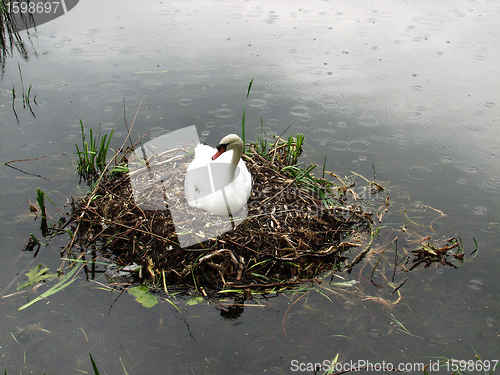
(409, 88)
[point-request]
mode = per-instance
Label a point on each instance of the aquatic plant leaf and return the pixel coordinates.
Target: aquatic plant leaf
(194, 301)
(36, 275)
(63, 283)
(143, 296)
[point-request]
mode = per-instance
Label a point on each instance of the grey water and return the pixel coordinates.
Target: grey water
(406, 89)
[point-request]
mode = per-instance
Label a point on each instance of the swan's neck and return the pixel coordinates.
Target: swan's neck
(235, 159)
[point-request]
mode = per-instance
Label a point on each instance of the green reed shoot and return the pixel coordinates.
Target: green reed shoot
(96, 371)
(26, 95)
(261, 143)
(40, 198)
(92, 157)
(324, 188)
(243, 120)
(294, 148)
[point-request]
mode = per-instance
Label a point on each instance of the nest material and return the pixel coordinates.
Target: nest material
(290, 233)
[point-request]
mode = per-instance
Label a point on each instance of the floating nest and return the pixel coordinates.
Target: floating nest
(294, 228)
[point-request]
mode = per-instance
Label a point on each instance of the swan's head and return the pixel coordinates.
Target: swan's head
(229, 142)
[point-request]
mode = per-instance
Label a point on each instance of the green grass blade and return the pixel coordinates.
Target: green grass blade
(243, 119)
(96, 371)
(249, 88)
(243, 126)
(63, 283)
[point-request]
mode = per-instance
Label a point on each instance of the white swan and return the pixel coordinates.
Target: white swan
(220, 184)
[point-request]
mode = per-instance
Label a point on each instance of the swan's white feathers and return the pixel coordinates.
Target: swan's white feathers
(199, 188)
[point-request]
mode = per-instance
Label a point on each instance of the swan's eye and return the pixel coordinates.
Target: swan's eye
(220, 150)
(222, 147)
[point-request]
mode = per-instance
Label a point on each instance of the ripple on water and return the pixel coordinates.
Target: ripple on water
(487, 227)
(84, 292)
(476, 127)
(387, 131)
(492, 183)
(273, 122)
(339, 339)
(417, 172)
(438, 125)
(92, 99)
(439, 179)
(156, 132)
(447, 160)
(331, 100)
(300, 111)
(417, 207)
(479, 211)
(470, 169)
(256, 102)
(112, 91)
(475, 284)
(487, 309)
(15, 357)
(368, 120)
(185, 102)
(323, 135)
(31, 146)
(434, 228)
(455, 309)
(360, 145)
(108, 126)
(375, 333)
(18, 188)
(259, 87)
(340, 145)
(228, 129)
(74, 135)
(406, 111)
(346, 109)
(223, 112)
(490, 333)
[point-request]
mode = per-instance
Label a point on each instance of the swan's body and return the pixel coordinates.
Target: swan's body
(217, 180)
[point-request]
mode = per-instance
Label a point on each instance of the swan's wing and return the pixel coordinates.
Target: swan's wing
(204, 153)
(197, 183)
(190, 188)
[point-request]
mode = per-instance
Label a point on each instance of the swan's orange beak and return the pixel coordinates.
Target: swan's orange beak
(220, 150)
